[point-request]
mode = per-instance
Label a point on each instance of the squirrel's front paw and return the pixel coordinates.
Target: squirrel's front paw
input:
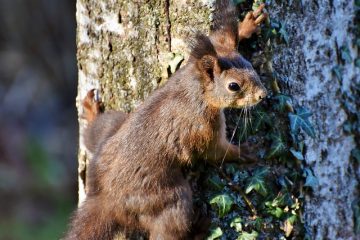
(252, 21)
(248, 153)
(91, 106)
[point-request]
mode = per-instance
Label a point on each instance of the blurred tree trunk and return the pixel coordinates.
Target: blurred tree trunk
(125, 49)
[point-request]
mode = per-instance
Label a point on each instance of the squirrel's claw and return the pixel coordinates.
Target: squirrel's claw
(91, 106)
(259, 10)
(251, 22)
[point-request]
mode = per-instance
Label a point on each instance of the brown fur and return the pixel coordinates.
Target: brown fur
(135, 177)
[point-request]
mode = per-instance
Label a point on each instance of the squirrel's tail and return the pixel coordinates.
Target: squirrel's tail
(225, 16)
(91, 221)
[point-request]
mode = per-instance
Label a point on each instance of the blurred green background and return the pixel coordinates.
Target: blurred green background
(38, 122)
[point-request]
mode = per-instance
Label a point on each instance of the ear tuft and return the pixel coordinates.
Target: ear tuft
(209, 67)
(200, 46)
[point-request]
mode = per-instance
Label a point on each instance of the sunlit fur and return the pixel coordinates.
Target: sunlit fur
(218, 68)
(135, 179)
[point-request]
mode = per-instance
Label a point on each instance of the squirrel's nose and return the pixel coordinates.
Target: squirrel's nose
(260, 95)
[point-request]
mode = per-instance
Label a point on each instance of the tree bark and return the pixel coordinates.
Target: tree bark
(125, 49)
(317, 30)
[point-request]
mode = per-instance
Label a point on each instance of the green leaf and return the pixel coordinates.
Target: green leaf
(215, 233)
(338, 71)
(277, 148)
(282, 101)
(300, 120)
(355, 205)
(282, 199)
(357, 62)
(215, 182)
(283, 33)
(288, 227)
(248, 236)
(296, 154)
(260, 119)
(277, 212)
(256, 4)
(222, 204)
(236, 223)
(236, 2)
(345, 54)
(355, 153)
(230, 168)
(258, 223)
(311, 180)
(292, 219)
(257, 182)
(175, 62)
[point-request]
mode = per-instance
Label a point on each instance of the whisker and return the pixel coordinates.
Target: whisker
(231, 139)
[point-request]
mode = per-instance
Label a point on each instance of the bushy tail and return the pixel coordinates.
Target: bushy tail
(225, 16)
(91, 222)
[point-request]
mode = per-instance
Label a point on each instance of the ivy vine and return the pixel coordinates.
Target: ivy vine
(263, 201)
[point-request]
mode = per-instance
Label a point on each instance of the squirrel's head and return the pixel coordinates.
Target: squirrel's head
(228, 81)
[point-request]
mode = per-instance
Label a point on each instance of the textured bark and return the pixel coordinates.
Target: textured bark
(124, 50)
(316, 29)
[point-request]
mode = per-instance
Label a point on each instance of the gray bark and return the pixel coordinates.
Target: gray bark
(125, 47)
(316, 29)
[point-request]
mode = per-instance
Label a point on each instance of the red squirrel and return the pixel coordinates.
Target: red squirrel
(135, 181)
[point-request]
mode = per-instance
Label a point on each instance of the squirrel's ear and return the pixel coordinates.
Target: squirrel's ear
(209, 67)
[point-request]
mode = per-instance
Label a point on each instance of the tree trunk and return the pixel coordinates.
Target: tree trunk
(317, 32)
(125, 49)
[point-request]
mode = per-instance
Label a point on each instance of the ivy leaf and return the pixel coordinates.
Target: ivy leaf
(248, 236)
(215, 182)
(282, 199)
(175, 62)
(276, 211)
(260, 119)
(222, 203)
(345, 54)
(215, 233)
(283, 33)
(236, 2)
(355, 205)
(258, 223)
(282, 101)
(288, 227)
(357, 62)
(311, 181)
(230, 169)
(236, 223)
(338, 71)
(296, 154)
(355, 153)
(300, 120)
(278, 146)
(257, 182)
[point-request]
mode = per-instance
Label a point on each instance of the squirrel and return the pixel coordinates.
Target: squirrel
(135, 180)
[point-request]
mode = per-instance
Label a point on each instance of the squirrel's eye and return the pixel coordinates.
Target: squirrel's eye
(234, 87)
